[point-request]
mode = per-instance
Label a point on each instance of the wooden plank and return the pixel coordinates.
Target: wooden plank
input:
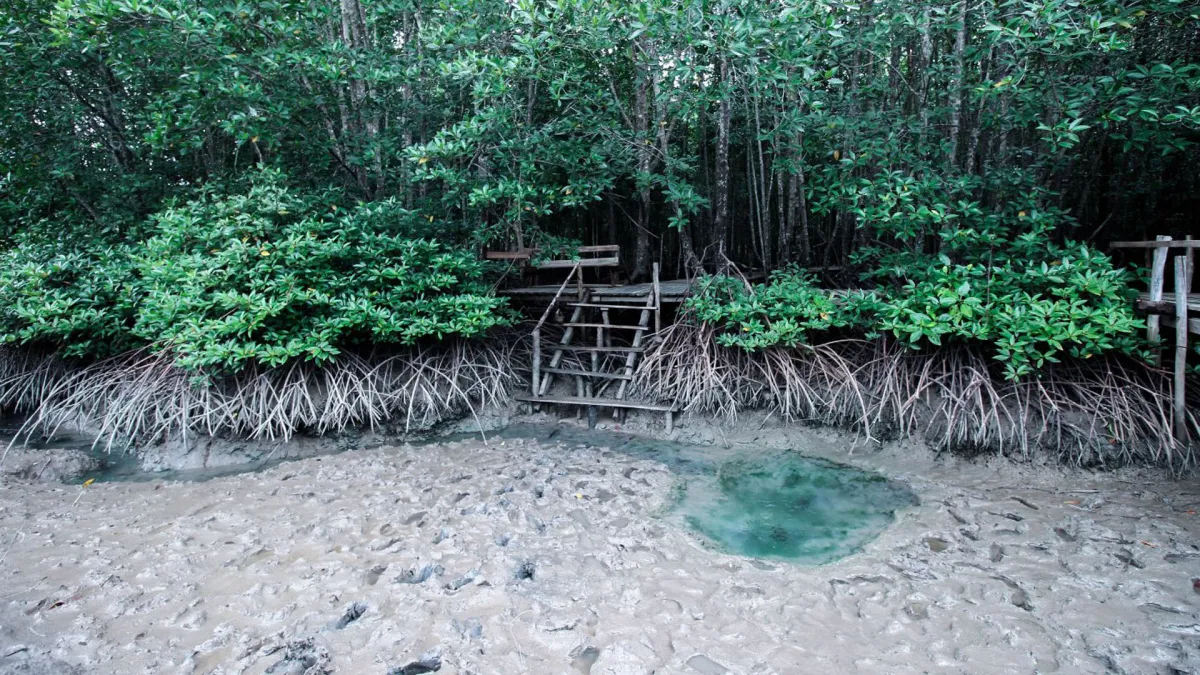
(582, 262)
(1161, 243)
(1181, 347)
(1193, 323)
(573, 324)
(631, 359)
(601, 305)
(547, 289)
(598, 402)
(558, 352)
(616, 349)
(507, 255)
(603, 248)
(1167, 304)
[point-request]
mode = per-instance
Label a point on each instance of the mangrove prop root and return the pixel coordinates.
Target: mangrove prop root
(1110, 410)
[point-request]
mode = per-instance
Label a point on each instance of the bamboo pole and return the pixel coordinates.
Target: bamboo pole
(657, 303)
(1157, 275)
(1182, 276)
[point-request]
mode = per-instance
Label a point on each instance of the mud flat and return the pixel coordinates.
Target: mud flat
(546, 556)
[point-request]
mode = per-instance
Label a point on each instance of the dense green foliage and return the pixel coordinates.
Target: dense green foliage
(1030, 306)
(951, 158)
(256, 277)
(782, 312)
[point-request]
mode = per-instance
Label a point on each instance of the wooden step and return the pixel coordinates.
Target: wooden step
(606, 350)
(587, 373)
(598, 402)
(598, 305)
(605, 325)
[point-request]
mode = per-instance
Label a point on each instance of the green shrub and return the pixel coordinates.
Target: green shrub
(76, 299)
(269, 277)
(1031, 309)
(781, 312)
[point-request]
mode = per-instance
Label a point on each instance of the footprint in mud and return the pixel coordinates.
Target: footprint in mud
(583, 658)
(353, 613)
(430, 662)
(419, 575)
(373, 574)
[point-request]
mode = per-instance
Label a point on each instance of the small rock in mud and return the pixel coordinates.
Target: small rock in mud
(1064, 535)
(415, 518)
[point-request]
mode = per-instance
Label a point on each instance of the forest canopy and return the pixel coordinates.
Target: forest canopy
(965, 160)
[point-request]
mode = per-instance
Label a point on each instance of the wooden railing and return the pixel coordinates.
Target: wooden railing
(1171, 313)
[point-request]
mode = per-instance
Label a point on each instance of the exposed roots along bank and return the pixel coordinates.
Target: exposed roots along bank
(144, 396)
(1109, 410)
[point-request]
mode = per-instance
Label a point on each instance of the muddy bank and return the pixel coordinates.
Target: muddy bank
(540, 556)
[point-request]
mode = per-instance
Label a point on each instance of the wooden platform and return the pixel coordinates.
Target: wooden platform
(593, 403)
(673, 292)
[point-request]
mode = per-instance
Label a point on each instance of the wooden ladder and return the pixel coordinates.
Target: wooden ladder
(596, 379)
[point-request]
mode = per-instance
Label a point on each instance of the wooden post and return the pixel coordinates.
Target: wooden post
(537, 359)
(1181, 345)
(657, 303)
(1157, 276)
(1191, 268)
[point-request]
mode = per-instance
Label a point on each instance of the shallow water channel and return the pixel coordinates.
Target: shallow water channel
(756, 503)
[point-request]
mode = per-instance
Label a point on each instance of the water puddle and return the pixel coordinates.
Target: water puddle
(791, 507)
(758, 503)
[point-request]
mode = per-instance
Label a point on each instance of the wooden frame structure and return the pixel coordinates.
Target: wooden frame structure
(1174, 310)
(611, 361)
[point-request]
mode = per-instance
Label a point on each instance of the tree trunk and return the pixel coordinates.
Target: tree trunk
(956, 83)
(641, 258)
(923, 74)
(721, 181)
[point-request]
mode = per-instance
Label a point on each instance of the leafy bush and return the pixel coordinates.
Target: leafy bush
(266, 276)
(1030, 301)
(779, 313)
(76, 299)
(269, 277)
(1031, 310)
